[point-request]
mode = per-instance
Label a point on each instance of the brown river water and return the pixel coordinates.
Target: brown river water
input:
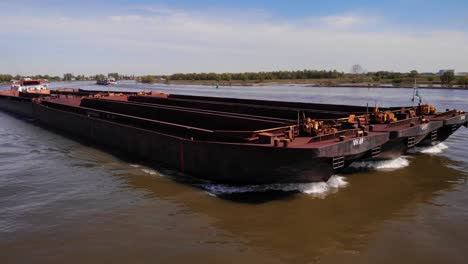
(62, 201)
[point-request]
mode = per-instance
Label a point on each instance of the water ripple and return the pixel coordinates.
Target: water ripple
(316, 189)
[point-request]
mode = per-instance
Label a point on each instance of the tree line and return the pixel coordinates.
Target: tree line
(66, 77)
(10, 77)
(256, 76)
(358, 75)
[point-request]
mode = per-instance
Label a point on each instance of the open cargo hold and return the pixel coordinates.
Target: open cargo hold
(302, 105)
(285, 112)
(221, 124)
(182, 123)
(120, 103)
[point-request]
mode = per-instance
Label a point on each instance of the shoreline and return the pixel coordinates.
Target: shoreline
(310, 84)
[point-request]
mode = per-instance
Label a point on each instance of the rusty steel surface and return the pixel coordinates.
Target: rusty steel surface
(285, 112)
(223, 111)
(327, 107)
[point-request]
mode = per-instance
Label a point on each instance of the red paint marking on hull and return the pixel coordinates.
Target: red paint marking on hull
(181, 156)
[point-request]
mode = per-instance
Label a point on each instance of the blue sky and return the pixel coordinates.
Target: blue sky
(149, 37)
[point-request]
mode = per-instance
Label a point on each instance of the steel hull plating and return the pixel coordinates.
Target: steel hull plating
(406, 138)
(397, 147)
(450, 126)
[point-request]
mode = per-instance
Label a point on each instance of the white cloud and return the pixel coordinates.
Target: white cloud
(167, 40)
(342, 22)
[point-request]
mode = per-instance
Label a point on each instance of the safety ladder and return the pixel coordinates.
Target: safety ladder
(338, 163)
(411, 142)
(434, 135)
(375, 152)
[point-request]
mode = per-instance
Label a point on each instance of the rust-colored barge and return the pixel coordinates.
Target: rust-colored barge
(214, 145)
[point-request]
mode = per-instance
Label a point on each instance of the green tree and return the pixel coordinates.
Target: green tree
(147, 79)
(114, 75)
(463, 80)
(80, 77)
(6, 77)
(413, 74)
(244, 77)
(68, 77)
(447, 77)
(99, 77)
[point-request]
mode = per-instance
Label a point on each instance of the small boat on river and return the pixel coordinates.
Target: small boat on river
(107, 81)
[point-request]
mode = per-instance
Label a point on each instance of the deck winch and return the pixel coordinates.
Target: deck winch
(383, 117)
(317, 127)
(426, 109)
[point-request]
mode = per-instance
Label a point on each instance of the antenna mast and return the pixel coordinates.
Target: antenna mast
(414, 91)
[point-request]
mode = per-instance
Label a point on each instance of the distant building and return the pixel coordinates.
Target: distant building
(462, 74)
(444, 71)
(428, 73)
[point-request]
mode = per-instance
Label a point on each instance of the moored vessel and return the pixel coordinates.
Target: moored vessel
(29, 85)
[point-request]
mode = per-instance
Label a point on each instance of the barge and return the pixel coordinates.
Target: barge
(237, 141)
(212, 145)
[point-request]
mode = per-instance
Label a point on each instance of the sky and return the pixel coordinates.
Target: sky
(163, 37)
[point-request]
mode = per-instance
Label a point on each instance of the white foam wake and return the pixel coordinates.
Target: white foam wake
(318, 189)
(393, 164)
(439, 148)
(150, 172)
(145, 169)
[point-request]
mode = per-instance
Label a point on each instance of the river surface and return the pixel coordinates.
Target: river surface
(65, 202)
